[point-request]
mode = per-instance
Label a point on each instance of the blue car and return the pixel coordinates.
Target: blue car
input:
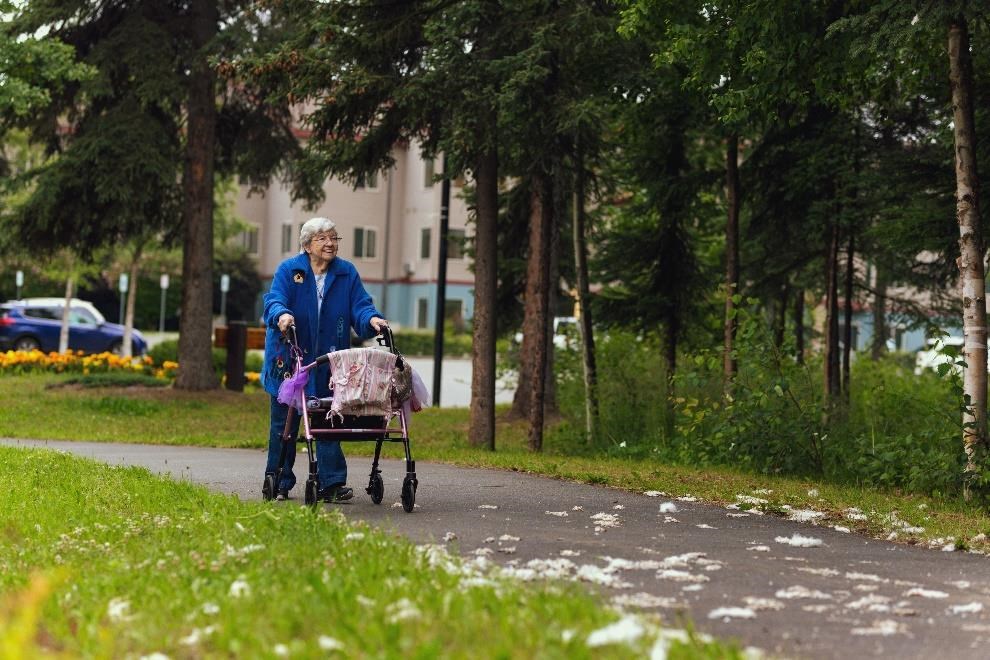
(36, 323)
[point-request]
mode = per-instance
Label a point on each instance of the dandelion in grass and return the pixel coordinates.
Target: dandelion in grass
(119, 610)
(239, 588)
(210, 609)
(328, 643)
(281, 650)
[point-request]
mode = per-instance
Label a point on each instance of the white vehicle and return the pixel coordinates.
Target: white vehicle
(935, 355)
(565, 332)
(58, 302)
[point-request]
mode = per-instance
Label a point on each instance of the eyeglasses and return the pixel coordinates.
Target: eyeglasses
(324, 238)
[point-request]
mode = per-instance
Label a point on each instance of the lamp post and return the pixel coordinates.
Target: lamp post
(122, 287)
(163, 283)
(19, 281)
(224, 288)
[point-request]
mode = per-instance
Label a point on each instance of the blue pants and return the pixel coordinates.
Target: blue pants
(331, 466)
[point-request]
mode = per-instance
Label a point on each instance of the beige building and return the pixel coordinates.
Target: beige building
(390, 228)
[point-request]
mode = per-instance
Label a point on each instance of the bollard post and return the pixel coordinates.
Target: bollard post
(236, 355)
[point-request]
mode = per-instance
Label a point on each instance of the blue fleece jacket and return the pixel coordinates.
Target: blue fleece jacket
(346, 305)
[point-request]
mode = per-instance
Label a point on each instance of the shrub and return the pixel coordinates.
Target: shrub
(420, 342)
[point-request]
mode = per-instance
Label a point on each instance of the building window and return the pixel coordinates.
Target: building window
(369, 182)
(250, 238)
(287, 238)
(364, 243)
(424, 243)
(422, 313)
(429, 172)
(455, 243)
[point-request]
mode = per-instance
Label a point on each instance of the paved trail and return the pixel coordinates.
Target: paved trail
(849, 597)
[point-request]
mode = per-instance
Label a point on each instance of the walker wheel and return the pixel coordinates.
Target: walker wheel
(376, 488)
(268, 488)
(311, 498)
(408, 494)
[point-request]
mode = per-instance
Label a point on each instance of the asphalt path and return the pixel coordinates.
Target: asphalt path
(735, 574)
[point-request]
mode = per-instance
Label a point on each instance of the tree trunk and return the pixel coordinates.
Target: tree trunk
(831, 366)
(670, 334)
(847, 337)
(537, 301)
(780, 323)
(970, 260)
(731, 257)
(799, 326)
(63, 333)
(879, 347)
(481, 432)
(584, 307)
(126, 347)
(196, 325)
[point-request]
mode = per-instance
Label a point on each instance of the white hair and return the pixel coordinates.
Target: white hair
(312, 227)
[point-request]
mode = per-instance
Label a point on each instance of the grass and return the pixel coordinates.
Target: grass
(102, 561)
(226, 419)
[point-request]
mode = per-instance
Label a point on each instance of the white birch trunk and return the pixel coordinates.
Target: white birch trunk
(63, 334)
(970, 260)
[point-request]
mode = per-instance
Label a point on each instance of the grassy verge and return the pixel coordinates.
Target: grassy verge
(225, 419)
(100, 561)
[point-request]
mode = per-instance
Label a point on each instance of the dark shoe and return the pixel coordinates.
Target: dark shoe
(283, 494)
(336, 493)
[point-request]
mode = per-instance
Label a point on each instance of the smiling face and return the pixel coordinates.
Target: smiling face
(323, 246)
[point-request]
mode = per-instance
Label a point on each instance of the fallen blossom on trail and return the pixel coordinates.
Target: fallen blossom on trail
(559, 514)
(670, 519)
(577, 507)
(488, 506)
(737, 515)
(884, 628)
(239, 588)
(449, 536)
(507, 537)
(817, 609)
(867, 577)
(727, 613)
(759, 548)
(624, 631)
(692, 587)
(705, 526)
(328, 643)
(853, 513)
(804, 515)
(687, 498)
(870, 603)
(483, 552)
(749, 499)
(949, 547)
(824, 572)
(655, 493)
(119, 609)
(508, 550)
(490, 539)
(961, 584)
(675, 575)
(926, 593)
(969, 608)
(618, 507)
(798, 591)
(799, 541)
(645, 600)
(841, 528)
(756, 603)
(570, 553)
(598, 575)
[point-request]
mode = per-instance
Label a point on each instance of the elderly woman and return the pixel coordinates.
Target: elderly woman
(322, 295)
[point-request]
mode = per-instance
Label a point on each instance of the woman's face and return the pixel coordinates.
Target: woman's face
(324, 245)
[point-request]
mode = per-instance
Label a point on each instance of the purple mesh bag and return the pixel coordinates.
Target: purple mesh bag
(290, 391)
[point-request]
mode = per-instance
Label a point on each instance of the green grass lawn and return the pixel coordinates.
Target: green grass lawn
(32, 409)
(101, 561)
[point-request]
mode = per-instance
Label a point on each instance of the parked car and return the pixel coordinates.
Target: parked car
(35, 323)
(565, 332)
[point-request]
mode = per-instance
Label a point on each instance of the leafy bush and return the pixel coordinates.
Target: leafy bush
(897, 430)
(115, 379)
(168, 350)
(420, 342)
